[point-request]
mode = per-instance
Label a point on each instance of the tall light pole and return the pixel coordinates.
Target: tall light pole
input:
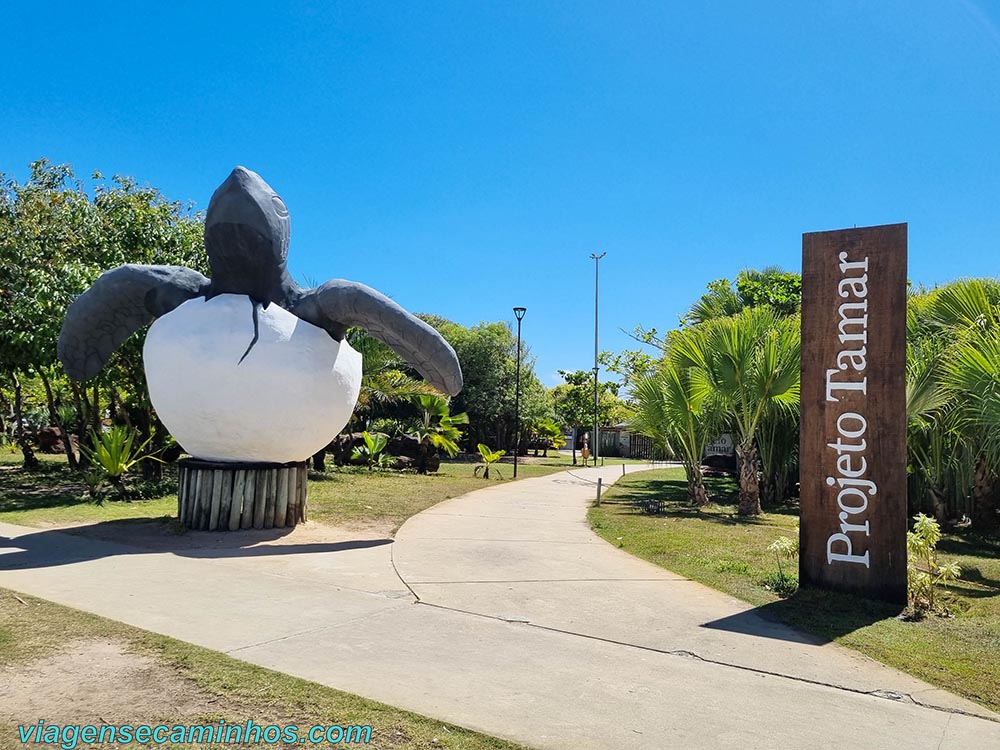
(519, 314)
(597, 275)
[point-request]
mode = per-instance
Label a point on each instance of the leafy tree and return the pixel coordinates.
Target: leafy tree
(771, 287)
(55, 240)
(631, 365)
(488, 355)
(574, 402)
(41, 222)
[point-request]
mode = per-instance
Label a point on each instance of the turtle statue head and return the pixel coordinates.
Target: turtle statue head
(246, 236)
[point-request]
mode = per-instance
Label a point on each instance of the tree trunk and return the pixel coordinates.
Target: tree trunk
(114, 407)
(119, 485)
(774, 486)
(5, 409)
(54, 419)
(938, 504)
(984, 494)
(152, 469)
(749, 481)
(696, 485)
(767, 489)
(422, 459)
(81, 420)
(30, 461)
(96, 414)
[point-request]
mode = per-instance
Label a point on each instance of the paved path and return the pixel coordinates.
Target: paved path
(501, 611)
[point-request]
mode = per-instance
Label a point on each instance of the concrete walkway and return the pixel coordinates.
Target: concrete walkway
(501, 611)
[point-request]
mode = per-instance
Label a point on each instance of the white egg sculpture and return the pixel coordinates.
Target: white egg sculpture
(294, 391)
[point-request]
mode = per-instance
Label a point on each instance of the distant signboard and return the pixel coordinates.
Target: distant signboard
(853, 400)
(721, 446)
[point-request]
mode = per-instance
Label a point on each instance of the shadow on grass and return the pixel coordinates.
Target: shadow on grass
(970, 544)
(117, 538)
(826, 615)
(973, 589)
(673, 498)
(55, 485)
(52, 485)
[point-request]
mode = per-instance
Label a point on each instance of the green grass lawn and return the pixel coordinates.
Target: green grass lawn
(33, 628)
(352, 497)
(720, 549)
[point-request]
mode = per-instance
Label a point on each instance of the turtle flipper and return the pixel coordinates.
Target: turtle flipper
(119, 303)
(339, 304)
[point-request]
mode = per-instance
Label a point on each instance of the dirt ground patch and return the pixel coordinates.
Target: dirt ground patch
(68, 667)
(99, 681)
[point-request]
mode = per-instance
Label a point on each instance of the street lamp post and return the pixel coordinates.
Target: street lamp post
(519, 314)
(597, 436)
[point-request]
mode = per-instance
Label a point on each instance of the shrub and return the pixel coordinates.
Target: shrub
(924, 574)
(783, 584)
(371, 452)
(490, 457)
(113, 453)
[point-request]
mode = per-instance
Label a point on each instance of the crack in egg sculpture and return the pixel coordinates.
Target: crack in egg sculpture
(246, 366)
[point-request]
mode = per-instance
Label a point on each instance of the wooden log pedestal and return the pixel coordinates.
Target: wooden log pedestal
(227, 496)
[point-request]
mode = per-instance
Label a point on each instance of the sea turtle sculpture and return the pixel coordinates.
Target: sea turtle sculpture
(246, 366)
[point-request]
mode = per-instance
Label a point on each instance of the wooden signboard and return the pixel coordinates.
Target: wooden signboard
(853, 443)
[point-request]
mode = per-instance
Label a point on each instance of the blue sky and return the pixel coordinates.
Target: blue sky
(468, 157)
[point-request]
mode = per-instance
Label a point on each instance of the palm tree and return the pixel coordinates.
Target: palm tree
(437, 428)
(969, 312)
(676, 407)
(933, 436)
(549, 434)
(778, 445)
(720, 301)
(752, 361)
(973, 372)
(385, 380)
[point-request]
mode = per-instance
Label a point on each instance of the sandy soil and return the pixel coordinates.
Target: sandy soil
(98, 681)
